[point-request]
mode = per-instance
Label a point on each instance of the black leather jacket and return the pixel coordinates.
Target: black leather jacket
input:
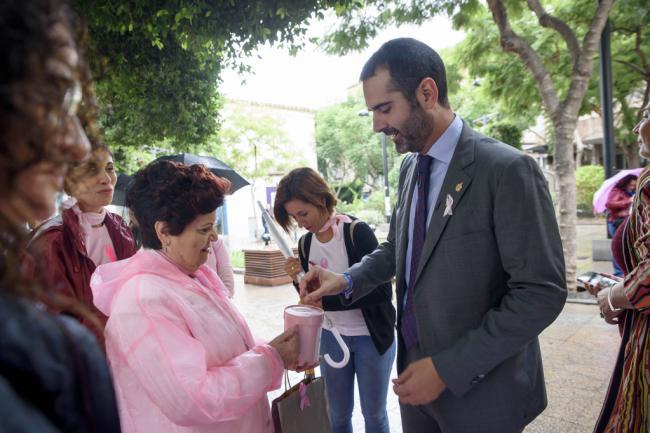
(53, 375)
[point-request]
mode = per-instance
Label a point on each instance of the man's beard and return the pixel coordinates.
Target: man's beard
(414, 134)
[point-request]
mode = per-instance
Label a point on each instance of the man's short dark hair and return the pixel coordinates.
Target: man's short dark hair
(408, 61)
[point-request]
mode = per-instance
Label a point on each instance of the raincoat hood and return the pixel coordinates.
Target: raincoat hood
(108, 279)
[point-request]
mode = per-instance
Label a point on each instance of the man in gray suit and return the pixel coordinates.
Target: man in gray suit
(476, 252)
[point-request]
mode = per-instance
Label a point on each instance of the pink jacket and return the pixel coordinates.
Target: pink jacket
(182, 356)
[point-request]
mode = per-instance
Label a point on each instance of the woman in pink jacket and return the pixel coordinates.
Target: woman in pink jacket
(182, 356)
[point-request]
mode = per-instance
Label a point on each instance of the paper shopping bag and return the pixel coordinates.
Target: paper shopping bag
(302, 408)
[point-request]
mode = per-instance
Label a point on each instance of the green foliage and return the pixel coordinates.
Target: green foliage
(485, 83)
(588, 180)
(361, 21)
(630, 66)
(370, 210)
(237, 259)
(347, 147)
(157, 64)
(506, 133)
(347, 192)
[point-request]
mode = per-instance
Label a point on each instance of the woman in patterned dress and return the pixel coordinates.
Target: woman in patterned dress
(627, 405)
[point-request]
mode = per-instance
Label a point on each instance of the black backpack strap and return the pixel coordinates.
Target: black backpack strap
(304, 245)
(348, 238)
(352, 224)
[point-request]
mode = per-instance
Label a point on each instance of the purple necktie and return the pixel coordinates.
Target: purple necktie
(409, 327)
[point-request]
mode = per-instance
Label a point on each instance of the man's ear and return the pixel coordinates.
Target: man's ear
(427, 93)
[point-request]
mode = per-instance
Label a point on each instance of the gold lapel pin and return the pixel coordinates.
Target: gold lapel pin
(459, 186)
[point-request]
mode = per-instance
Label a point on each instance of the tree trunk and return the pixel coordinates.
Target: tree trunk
(564, 114)
(631, 152)
(580, 147)
(565, 170)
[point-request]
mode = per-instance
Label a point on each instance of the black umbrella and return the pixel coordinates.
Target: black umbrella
(121, 187)
(216, 166)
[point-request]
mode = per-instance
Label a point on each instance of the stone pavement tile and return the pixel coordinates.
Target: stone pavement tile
(575, 406)
(546, 424)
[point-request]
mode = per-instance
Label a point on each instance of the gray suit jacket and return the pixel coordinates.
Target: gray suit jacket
(490, 279)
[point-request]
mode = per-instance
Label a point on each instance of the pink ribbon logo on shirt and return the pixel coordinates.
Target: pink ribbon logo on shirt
(110, 254)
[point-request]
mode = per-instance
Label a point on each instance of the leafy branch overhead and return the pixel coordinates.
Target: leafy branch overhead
(157, 64)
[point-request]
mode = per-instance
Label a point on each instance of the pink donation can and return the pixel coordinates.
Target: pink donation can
(309, 320)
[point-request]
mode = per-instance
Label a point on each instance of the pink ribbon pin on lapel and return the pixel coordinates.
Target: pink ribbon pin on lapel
(448, 205)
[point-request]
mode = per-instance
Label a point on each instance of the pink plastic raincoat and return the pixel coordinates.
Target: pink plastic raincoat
(182, 356)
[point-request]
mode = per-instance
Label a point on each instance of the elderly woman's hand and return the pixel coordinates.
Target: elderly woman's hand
(287, 345)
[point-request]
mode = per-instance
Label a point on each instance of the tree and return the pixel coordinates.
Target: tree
(255, 145)
(561, 100)
(348, 150)
(506, 132)
(157, 64)
(630, 24)
(478, 58)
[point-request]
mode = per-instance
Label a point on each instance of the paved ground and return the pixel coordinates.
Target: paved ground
(578, 350)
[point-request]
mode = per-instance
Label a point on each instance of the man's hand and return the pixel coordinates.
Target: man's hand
(319, 282)
(419, 383)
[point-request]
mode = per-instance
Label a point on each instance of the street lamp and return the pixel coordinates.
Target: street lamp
(387, 211)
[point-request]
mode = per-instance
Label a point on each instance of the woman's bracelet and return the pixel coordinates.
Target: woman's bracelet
(609, 301)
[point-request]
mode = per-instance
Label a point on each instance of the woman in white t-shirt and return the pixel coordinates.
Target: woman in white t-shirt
(336, 242)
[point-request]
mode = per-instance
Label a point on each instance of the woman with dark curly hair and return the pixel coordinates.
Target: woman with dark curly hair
(53, 375)
(182, 356)
(71, 245)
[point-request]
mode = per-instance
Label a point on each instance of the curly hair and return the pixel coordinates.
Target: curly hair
(79, 170)
(35, 77)
(34, 80)
(174, 193)
(306, 185)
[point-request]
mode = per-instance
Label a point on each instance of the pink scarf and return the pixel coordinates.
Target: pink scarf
(333, 222)
(97, 241)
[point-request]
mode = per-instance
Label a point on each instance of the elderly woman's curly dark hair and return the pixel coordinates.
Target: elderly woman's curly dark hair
(38, 37)
(174, 193)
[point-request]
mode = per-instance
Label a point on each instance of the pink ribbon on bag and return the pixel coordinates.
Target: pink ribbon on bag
(304, 399)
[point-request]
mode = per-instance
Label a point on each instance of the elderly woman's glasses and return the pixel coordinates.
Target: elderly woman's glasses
(72, 99)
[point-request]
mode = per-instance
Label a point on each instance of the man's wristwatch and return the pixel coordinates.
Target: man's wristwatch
(347, 291)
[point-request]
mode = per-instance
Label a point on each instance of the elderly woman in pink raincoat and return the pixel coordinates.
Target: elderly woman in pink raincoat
(182, 356)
